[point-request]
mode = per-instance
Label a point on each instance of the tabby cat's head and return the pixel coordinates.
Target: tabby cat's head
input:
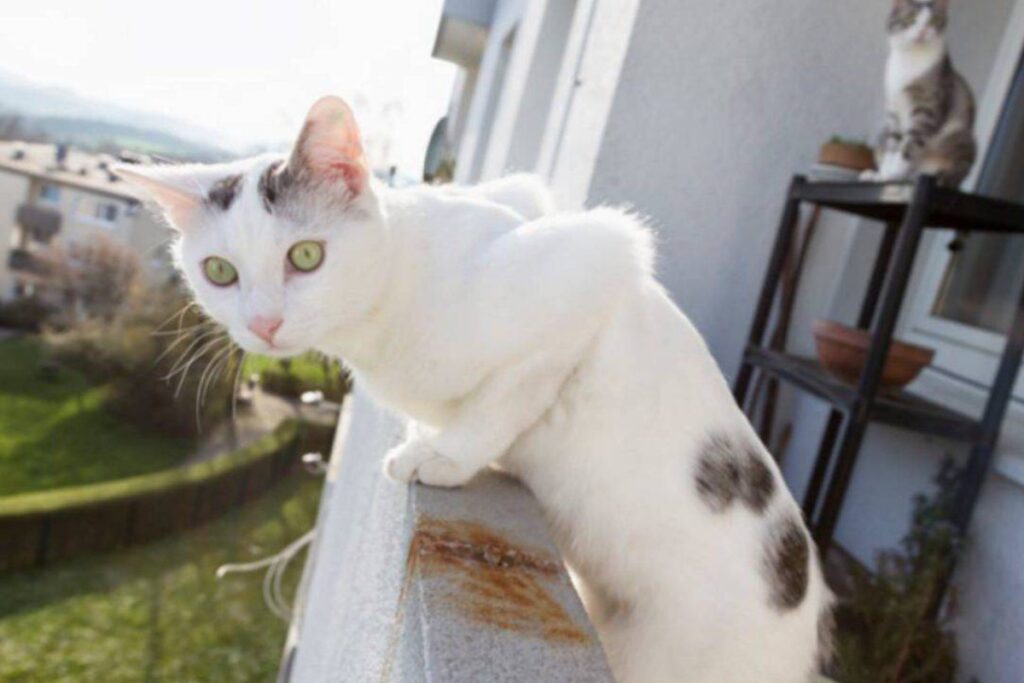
(918, 21)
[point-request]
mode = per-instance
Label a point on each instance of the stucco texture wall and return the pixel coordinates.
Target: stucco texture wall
(13, 191)
(717, 106)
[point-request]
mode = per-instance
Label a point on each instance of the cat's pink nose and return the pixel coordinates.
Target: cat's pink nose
(264, 328)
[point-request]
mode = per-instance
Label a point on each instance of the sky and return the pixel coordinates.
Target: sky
(249, 70)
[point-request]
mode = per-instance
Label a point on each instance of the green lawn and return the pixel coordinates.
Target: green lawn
(307, 368)
(157, 612)
(291, 378)
(54, 431)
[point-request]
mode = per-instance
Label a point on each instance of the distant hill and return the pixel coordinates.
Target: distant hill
(66, 116)
(103, 135)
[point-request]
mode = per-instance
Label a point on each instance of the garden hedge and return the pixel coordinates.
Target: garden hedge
(42, 527)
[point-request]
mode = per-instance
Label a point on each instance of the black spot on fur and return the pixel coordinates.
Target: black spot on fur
(758, 482)
(728, 470)
(224, 191)
(273, 182)
(787, 557)
(718, 473)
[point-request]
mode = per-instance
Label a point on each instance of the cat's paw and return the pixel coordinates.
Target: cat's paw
(869, 176)
(443, 471)
(416, 460)
(403, 461)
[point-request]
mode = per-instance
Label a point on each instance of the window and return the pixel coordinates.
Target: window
(49, 193)
(967, 288)
(982, 283)
(106, 212)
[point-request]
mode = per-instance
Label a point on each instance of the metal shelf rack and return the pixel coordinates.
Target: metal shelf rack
(906, 210)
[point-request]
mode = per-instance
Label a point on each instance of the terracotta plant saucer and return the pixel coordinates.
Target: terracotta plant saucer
(843, 351)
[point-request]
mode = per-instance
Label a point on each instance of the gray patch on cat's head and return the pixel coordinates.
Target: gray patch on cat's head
(787, 563)
(729, 469)
(223, 192)
(904, 14)
(273, 184)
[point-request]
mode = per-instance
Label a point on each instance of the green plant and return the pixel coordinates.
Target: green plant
(887, 632)
(839, 140)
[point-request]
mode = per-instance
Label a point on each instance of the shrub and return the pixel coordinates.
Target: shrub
(170, 370)
(887, 630)
(293, 377)
(90, 279)
(28, 313)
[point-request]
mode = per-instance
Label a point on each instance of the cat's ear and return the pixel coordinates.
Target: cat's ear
(329, 147)
(177, 190)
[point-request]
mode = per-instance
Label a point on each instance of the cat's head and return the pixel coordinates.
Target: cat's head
(282, 251)
(918, 22)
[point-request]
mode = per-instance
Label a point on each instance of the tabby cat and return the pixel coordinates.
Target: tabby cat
(929, 105)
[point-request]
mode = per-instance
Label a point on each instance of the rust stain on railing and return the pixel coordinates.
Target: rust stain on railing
(494, 581)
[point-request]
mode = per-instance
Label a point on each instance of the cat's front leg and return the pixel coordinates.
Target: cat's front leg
(888, 147)
(483, 428)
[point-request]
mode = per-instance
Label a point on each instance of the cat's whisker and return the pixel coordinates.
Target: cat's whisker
(210, 374)
(182, 330)
(179, 315)
(174, 344)
(183, 372)
(185, 356)
(237, 383)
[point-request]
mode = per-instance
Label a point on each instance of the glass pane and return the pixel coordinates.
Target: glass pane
(983, 281)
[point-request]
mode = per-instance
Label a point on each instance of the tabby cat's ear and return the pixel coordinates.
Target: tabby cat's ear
(329, 147)
(177, 190)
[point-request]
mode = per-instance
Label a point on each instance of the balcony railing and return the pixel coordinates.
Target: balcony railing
(41, 222)
(25, 261)
(409, 583)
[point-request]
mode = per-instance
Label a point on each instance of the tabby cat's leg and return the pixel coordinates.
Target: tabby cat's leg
(922, 129)
(949, 157)
(888, 145)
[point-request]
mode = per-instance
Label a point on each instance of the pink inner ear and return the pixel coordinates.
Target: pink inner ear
(333, 150)
(351, 174)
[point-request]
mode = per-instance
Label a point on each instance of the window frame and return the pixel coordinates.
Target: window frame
(965, 353)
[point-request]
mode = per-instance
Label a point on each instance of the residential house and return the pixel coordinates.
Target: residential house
(697, 115)
(52, 192)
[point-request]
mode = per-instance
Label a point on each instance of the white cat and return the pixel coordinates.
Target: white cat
(543, 345)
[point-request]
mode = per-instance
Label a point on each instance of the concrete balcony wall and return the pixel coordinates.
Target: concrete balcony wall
(408, 583)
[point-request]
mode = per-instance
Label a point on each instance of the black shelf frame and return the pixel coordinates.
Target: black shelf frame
(906, 210)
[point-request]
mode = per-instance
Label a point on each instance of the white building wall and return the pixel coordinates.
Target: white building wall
(595, 51)
(718, 105)
(474, 142)
(530, 86)
(13, 190)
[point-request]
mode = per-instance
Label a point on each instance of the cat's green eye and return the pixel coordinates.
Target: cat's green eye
(219, 271)
(306, 256)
